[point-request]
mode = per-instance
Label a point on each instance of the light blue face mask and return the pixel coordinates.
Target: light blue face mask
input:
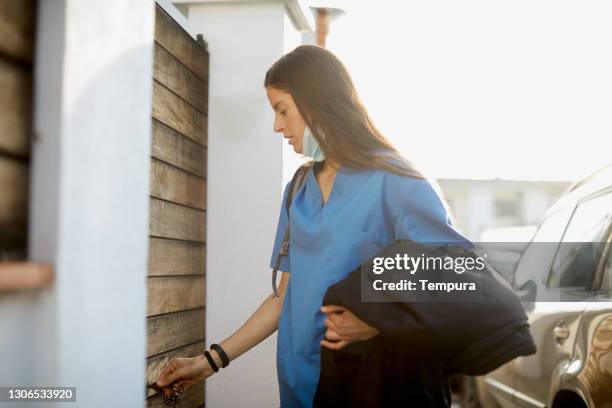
(310, 146)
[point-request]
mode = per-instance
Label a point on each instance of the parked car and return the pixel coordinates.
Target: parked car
(570, 259)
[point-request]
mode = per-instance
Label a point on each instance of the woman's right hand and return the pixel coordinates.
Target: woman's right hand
(185, 372)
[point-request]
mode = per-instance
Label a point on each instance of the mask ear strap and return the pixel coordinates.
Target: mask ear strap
(296, 183)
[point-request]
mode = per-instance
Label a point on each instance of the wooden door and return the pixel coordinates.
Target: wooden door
(16, 45)
(176, 278)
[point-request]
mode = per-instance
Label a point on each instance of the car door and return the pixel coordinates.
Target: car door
(531, 271)
(554, 327)
(590, 373)
(568, 285)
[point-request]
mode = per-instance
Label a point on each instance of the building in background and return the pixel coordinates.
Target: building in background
(480, 205)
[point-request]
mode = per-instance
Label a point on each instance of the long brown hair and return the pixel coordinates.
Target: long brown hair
(324, 94)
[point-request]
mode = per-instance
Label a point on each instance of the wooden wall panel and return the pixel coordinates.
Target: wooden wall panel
(15, 108)
(172, 184)
(174, 39)
(175, 293)
(170, 257)
(177, 252)
(174, 112)
(169, 220)
(17, 28)
(13, 193)
(16, 45)
(170, 331)
(170, 72)
(171, 147)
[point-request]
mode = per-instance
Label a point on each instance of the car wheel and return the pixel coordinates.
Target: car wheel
(474, 394)
(469, 393)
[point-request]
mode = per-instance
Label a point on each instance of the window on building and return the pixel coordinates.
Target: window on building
(507, 205)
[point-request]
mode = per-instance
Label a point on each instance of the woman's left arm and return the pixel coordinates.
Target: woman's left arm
(344, 328)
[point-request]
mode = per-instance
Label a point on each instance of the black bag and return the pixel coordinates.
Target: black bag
(421, 343)
(364, 374)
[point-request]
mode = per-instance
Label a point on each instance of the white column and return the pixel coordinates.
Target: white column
(534, 204)
(481, 203)
(245, 174)
(89, 210)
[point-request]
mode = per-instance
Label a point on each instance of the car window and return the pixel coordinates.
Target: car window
(580, 250)
(606, 283)
(539, 254)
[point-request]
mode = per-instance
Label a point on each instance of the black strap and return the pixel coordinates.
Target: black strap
(294, 186)
(296, 182)
(225, 361)
(211, 361)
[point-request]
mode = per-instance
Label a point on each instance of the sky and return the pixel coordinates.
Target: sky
(484, 89)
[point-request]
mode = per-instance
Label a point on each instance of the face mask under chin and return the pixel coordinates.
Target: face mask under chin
(310, 146)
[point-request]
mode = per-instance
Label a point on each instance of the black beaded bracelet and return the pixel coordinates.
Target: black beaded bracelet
(225, 361)
(211, 361)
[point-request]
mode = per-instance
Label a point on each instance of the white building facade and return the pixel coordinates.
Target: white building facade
(479, 205)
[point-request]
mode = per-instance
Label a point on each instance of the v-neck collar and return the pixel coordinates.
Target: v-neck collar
(335, 193)
(346, 179)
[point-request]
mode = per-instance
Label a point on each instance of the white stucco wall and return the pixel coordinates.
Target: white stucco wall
(481, 211)
(88, 206)
(534, 205)
(246, 167)
(291, 160)
(244, 189)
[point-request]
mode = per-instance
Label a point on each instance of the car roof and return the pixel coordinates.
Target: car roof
(597, 181)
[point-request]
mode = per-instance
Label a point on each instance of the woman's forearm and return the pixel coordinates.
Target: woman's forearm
(262, 323)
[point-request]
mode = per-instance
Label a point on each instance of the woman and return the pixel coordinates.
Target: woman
(359, 192)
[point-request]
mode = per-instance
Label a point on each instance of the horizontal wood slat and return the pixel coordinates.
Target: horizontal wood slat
(193, 398)
(171, 331)
(178, 114)
(170, 146)
(175, 293)
(178, 78)
(13, 194)
(15, 249)
(15, 108)
(172, 184)
(170, 257)
(168, 220)
(180, 44)
(17, 28)
(157, 363)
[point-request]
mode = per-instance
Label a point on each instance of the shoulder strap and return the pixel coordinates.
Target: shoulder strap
(296, 182)
(294, 186)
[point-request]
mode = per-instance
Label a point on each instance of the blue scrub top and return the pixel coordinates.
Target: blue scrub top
(366, 210)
